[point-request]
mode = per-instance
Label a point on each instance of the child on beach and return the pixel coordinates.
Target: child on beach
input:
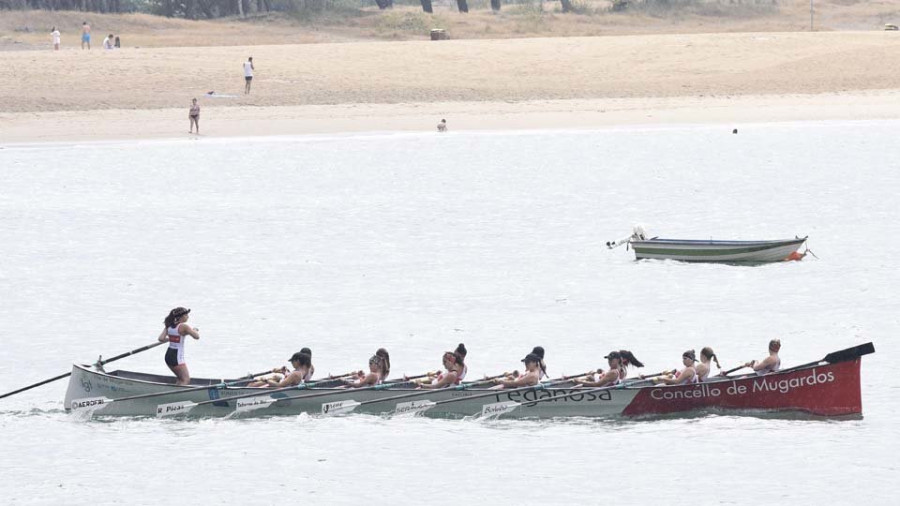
(86, 35)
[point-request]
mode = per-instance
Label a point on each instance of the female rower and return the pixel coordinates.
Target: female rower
(301, 362)
(461, 353)
(379, 366)
(769, 364)
(539, 351)
(312, 369)
(176, 329)
(611, 377)
(706, 355)
(626, 358)
(453, 366)
(531, 377)
(686, 375)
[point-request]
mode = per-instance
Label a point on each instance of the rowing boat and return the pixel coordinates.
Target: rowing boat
(829, 387)
(688, 250)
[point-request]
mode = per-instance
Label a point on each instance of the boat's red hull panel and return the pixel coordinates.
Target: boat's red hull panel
(827, 390)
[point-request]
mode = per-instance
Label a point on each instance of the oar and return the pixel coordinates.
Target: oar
(729, 371)
(99, 363)
(91, 404)
(262, 399)
(349, 405)
(855, 352)
(837, 356)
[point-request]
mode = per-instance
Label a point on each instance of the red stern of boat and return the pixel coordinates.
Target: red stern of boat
(827, 390)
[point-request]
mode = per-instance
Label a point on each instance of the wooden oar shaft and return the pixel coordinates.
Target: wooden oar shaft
(304, 386)
(66, 375)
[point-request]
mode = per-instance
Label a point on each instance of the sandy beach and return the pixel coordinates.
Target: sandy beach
(575, 82)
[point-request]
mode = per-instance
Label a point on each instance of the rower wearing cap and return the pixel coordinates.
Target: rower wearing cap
(175, 330)
(769, 364)
(539, 351)
(531, 377)
(312, 369)
(453, 365)
(379, 368)
(611, 377)
(686, 375)
(301, 362)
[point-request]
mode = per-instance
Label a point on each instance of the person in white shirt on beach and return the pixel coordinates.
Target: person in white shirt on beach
(55, 35)
(248, 74)
(108, 42)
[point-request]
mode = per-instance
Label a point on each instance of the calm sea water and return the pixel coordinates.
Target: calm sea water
(419, 242)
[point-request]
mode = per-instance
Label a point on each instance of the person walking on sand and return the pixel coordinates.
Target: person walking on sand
(248, 74)
(442, 126)
(194, 116)
(86, 35)
(54, 33)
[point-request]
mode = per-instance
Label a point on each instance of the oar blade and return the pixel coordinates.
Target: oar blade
(174, 408)
(413, 408)
(253, 403)
(87, 406)
(498, 408)
(850, 353)
(339, 407)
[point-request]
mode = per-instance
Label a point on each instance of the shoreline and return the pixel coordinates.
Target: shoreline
(578, 114)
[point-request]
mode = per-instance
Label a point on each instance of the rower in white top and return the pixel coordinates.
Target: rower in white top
(769, 364)
(379, 368)
(530, 378)
(302, 364)
(175, 331)
(703, 368)
(612, 377)
(684, 376)
(450, 377)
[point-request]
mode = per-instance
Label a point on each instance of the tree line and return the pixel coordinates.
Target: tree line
(210, 9)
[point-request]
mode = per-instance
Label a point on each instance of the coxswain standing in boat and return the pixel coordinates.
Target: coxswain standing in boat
(301, 362)
(707, 355)
(530, 378)
(686, 375)
(379, 368)
(451, 376)
(611, 377)
(175, 331)
(769, 364)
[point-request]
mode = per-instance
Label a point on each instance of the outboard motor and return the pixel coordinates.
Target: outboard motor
(637, 234)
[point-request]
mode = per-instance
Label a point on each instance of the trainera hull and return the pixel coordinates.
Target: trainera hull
(824, 390)
(716, 251)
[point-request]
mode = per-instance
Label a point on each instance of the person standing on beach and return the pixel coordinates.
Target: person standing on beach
(248, 74)
(194, 116)
(442, 126)
(54, 33)
(86, 35)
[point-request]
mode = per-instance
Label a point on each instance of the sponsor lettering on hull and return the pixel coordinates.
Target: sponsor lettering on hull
(828, 390)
